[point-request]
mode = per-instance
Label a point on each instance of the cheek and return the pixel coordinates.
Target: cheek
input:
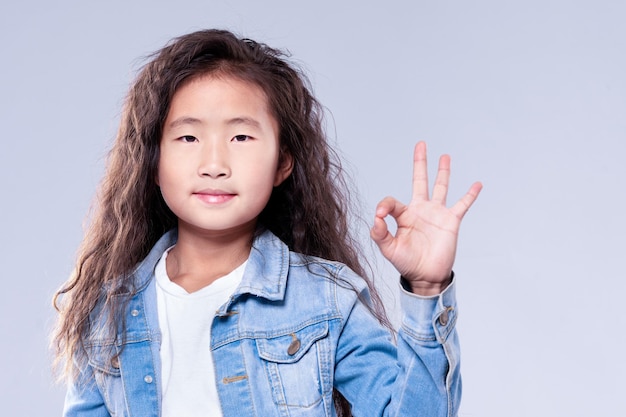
(166, 170)
(263, 179)
(266, 174)
(158, 175)
(167, 183)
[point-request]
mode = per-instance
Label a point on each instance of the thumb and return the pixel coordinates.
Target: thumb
(380, 234)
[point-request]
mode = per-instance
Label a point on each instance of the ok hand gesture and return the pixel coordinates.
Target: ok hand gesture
(424, 246)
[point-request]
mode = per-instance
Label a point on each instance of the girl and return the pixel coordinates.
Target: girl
(218, 275)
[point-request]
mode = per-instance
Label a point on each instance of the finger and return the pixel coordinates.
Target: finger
(380, 235)
(389, 206)
(440, 189)
(379, 230)
(420, 172)
(462, 206)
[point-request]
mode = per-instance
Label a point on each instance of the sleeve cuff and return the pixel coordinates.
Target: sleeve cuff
(429, 317)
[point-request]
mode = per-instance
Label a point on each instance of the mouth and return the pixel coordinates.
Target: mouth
(214, 196)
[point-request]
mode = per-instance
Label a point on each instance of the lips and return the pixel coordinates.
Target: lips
(211, 196)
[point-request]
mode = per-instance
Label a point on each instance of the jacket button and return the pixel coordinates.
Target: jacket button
(134, 313)
(294, 346)
(115, 362)
(444, 317)
(148, 379)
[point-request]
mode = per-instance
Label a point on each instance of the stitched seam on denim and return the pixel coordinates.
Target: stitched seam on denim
(236, 335)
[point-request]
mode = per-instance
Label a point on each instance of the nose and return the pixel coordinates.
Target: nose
(215, 160)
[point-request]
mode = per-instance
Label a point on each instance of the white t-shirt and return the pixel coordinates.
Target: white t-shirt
(189, 387)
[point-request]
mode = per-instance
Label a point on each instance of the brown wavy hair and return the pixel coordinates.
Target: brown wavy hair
(308, 211)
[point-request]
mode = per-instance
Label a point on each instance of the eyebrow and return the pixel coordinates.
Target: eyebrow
(185, 120)
(235, 121)
(248, 121)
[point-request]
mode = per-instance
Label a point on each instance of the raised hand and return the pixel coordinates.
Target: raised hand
(424, 246)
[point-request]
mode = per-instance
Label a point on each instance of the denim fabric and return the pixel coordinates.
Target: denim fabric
(284, 340)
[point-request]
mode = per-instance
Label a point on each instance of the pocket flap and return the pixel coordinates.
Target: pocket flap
(101, 359)
(290, 347)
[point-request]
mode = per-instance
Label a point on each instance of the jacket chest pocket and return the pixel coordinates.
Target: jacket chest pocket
(108, 379)
(297, 365)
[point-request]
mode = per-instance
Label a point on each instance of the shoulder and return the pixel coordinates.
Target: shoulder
(324, 271)
(127, 305)
(325, 284)
(315, 296)
(272, 263)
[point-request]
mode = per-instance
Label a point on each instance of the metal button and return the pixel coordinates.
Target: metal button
(294, 346)
(134, 313)
(115, 362)
(148, 379)
(443, 318)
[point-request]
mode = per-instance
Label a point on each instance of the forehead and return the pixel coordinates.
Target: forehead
(206, 85)
(214, 98)
(221, 77)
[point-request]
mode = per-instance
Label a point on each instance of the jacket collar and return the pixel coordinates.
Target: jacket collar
(265, 275)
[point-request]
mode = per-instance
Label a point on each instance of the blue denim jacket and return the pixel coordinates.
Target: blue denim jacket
(284, 340)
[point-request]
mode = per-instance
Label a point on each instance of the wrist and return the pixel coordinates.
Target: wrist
(425, 288)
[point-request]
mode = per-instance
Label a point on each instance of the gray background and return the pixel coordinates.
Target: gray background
(528, 97)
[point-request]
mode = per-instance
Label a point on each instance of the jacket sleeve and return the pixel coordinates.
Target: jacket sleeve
(418, 375)
(83, 398)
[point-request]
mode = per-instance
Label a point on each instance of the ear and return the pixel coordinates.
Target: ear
(285, 166)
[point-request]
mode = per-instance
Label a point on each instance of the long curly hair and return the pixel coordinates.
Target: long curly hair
(308, 211)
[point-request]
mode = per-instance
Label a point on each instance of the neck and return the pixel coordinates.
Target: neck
(198, 259)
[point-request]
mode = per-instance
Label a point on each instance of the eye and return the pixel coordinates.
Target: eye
(241, 138)
(188, 139)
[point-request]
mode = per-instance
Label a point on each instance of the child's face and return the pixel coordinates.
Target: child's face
(219, 155)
